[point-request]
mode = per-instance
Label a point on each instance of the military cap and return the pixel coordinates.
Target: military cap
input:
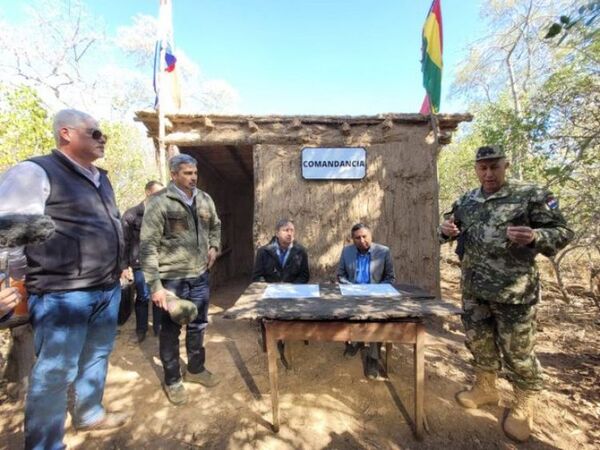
(489, 152)
(181, 311)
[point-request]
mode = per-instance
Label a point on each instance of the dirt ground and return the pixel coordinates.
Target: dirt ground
(325, 401)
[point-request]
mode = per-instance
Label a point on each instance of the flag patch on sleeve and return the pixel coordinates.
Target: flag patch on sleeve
(552, 202)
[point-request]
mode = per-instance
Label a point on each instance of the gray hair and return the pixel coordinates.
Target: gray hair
(66, 118)
(177, 161)
(282, 223)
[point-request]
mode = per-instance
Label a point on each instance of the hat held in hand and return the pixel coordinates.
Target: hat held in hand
(181, 311)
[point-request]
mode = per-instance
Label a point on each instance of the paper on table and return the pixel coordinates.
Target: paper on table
(371, 290)
(291, 291)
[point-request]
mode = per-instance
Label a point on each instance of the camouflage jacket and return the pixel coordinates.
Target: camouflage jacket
(494, 268)
(173, 243)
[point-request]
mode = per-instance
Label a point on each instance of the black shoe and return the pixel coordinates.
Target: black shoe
(371, 368)
(352, 349)
(141, 336)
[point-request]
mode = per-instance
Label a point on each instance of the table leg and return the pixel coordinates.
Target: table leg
(289, 350)
(263, 338)
(419, 379)
(273, 375)
(388, 352)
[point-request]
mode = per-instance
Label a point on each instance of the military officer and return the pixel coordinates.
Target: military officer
(500, 228)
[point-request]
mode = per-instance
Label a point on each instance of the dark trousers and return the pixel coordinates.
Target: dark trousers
(195, 290)
(142, 299)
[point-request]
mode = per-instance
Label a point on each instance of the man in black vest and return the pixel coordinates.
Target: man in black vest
(132, 225)
(72, 279)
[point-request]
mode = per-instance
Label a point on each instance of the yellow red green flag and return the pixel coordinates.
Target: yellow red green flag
(431, 63)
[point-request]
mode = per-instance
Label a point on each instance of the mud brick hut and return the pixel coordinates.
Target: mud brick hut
(254, 168)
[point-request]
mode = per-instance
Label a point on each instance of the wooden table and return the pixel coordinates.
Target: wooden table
(333, 317)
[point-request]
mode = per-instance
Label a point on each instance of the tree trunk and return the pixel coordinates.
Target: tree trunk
(556, 266)
(594, 280)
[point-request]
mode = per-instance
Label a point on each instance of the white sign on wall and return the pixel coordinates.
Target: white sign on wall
(345, 163)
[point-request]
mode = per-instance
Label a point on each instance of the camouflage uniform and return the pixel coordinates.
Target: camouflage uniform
(500, 280)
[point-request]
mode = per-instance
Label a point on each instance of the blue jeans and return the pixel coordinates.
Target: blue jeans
(195, 290)
(74, 333)
(142, 299)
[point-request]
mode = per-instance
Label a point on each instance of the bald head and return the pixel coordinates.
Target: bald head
(69, 118)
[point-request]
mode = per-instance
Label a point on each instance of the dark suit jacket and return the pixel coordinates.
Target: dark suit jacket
(132, 224)
(268, 268)
(381, 268)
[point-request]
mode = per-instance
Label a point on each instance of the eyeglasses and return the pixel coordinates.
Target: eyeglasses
(94, 133)
(97, 134)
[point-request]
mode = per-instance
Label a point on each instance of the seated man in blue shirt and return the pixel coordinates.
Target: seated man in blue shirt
(365, 262)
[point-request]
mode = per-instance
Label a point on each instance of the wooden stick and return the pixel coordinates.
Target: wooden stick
(273, 375)
(162, 162)
(419, 379)
(434, 123)
(388, 353)
(435, 127)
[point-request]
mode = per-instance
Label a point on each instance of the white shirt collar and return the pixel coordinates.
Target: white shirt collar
(188, 200)
(93, 174)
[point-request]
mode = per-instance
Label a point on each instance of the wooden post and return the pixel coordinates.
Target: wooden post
(273, 375)
(289, 353)
(162, 161)
(419, 379)
(435, 127)
(388, 353)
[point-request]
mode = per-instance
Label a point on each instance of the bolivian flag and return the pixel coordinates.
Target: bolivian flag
(431, 63)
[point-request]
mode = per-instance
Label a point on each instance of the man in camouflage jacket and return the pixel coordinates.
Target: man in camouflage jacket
(500, 228)
(179, 243)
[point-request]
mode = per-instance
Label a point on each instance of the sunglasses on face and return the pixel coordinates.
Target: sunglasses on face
(94, 133)
(97, 134)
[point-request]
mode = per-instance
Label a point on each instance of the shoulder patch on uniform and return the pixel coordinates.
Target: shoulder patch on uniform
(551, 201)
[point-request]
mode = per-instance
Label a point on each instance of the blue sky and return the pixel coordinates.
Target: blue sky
(309, 56)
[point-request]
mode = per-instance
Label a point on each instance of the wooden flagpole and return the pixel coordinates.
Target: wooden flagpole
(435, 127)
(434, 122)
(162, 163)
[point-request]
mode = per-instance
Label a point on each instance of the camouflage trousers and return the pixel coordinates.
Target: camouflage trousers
(502, 336)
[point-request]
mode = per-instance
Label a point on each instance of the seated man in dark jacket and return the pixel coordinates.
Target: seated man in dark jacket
(282, 261)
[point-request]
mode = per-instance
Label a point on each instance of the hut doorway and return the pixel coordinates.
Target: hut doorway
(226, 173)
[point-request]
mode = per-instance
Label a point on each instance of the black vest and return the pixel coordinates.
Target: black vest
(85, 251)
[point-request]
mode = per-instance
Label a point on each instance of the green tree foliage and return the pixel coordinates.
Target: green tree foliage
(25, 128)
(456, 173)
(129, 165)
(550, 125)
(495, 122)
(26, 131)
(582, 21)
